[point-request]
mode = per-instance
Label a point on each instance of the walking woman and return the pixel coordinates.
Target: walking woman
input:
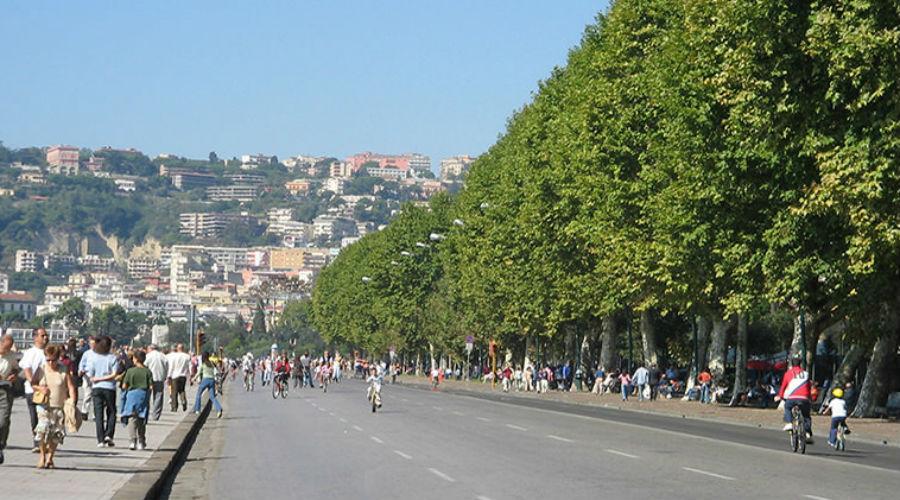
(206, 373)
(57, 388)
(137, 383)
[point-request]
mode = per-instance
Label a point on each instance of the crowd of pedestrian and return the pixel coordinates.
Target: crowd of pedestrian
(93, 378)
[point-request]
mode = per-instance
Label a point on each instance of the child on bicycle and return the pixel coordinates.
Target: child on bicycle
(374, 380)
(838, 409)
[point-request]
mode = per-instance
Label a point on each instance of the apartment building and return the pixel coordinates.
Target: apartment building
(22, 303)
(333, 227)
(334, 184)
(28, 261)
(297, 186)
(455, 167)
(250, 162)
(242, 193)
(245, 179)
(141, 267)
(63, 160)
(208, 224)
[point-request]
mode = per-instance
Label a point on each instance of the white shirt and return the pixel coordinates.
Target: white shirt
(838, 407)
(179, 364)
(32, 358)
(158, 365)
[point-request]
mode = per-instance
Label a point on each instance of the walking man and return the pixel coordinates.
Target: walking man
(641, 378)
(9, 370)
(87, 404)
(159, 368)
(179, 371)
(32, 360)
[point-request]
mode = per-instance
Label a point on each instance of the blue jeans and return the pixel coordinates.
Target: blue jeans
(704, 393)
(641, 391)
(625, 390)
(832, 434)
(207, 384)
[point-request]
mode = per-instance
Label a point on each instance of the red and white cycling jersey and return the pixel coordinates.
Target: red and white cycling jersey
(795, 384)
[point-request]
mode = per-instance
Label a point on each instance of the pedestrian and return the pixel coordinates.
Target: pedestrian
(599, 375)
(158, 365)
(87, 401)
(705, 381)
(640, 379)
(54, 389)
(102, 369)
(9, 372)
(32, 360)
(625, 383)
(656, 376)
(179, 370)
(137, 384)
(206, 374)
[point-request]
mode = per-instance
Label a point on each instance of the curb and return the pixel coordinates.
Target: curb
(150, 479)
(526, 401)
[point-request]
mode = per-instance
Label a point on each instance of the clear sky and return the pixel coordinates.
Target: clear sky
(328, 77)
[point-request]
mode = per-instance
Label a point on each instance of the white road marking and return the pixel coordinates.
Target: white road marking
(376, 440)
(813, 497)
(404, 400)
(343, 420)
(331, 413)
(482, 497)
(438, 408)
(516, 427)
(322, 409)
(706, 473)
(404, 455)
(441, 475)
(621, 453)
(484, 419)
(564, 440)
(358, 428)
(459, 414)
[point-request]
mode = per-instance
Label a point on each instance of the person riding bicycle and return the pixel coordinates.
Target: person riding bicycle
(838, 409)
(282, 370)
(795, 391)
(374, 380)
(248, 368)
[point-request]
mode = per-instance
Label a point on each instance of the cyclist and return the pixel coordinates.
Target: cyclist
(324, 375)
(374, 380)
(282, 371)
(248, 369)
(838, 409)
(795, 391)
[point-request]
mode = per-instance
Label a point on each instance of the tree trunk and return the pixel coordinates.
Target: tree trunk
(718, 346)
(699, 356)
(648, 337)
(740, 360)
(527, 361)
(570, 343)
(811, 337)
(418, 363)
(846, 371)
(884, 355)
(431, 355)
(608, 338)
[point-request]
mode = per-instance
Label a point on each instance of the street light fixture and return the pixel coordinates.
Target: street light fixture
(421, 245)
(436, 237)
(485, 205)
(405, 254)
(366, 279)
(458, 222)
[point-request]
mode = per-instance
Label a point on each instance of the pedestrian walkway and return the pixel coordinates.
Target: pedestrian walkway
(83, 471)
(869, 430)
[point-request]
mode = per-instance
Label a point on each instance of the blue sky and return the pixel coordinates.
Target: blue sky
(277, 77)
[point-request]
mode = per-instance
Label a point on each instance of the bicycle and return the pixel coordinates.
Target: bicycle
(279, 387)
(798, 428)
(375, 399)
(841, 443)
(249, 381)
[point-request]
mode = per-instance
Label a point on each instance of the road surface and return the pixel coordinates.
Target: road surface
(447, 446)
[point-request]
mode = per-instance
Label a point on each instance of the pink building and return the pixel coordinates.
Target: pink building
(400, 162)
(63, 158)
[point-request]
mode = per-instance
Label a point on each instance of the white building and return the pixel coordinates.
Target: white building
(419, 162)
(455, 166)
(250, 162)
(334, 184)
(236, 192)
(27, 261)
(4, 283)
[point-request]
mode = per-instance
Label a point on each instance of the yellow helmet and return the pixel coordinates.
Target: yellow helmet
(837, 392)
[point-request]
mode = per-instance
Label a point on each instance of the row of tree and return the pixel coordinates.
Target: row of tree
(695, 163)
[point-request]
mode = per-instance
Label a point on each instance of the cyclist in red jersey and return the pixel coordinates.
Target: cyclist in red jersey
(796, 391)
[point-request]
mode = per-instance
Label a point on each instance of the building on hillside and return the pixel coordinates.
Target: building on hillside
(22, 303)
(339, 169)
(4, 283)
(63, 160)
(250, 162)
(387, 173)
(419, 162)
(126, 184)
(32, 177)
(208, 224)
(334, 184)
(455, 167)
(7, 192)
(301, 162)
(286, 259)
(333, 227)
(60, 261)
(141, 267)
(28, 261)
(94, 164)
(242, 193)
(404, 163)
(96, 263)
(191, 180)
(348, 240)
(297, 186)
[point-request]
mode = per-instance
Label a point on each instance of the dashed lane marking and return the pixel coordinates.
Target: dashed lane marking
(441, 475)
(564, 440)
(516, 427)
(482, 497)
(459, 414)
(813, 497)
(438, 408)
(404, 455)
(376, 440)
(484, 419)
(621, 453)
(358, 428)
(707, 473)
(343, 420)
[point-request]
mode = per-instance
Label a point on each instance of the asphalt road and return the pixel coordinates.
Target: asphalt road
(438, 445)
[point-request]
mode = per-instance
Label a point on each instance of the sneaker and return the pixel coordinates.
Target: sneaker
(219, 414)
(2, 458)
(809, 438)
(142, 446)
(36, 449)
(786, 428)
(133, 445)
(110, 443)
(101, 444)
(846, 431)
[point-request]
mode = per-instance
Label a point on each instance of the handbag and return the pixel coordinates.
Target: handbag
(40, 398)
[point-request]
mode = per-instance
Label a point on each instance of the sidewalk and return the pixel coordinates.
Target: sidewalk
(873, 431)
(83, 471)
